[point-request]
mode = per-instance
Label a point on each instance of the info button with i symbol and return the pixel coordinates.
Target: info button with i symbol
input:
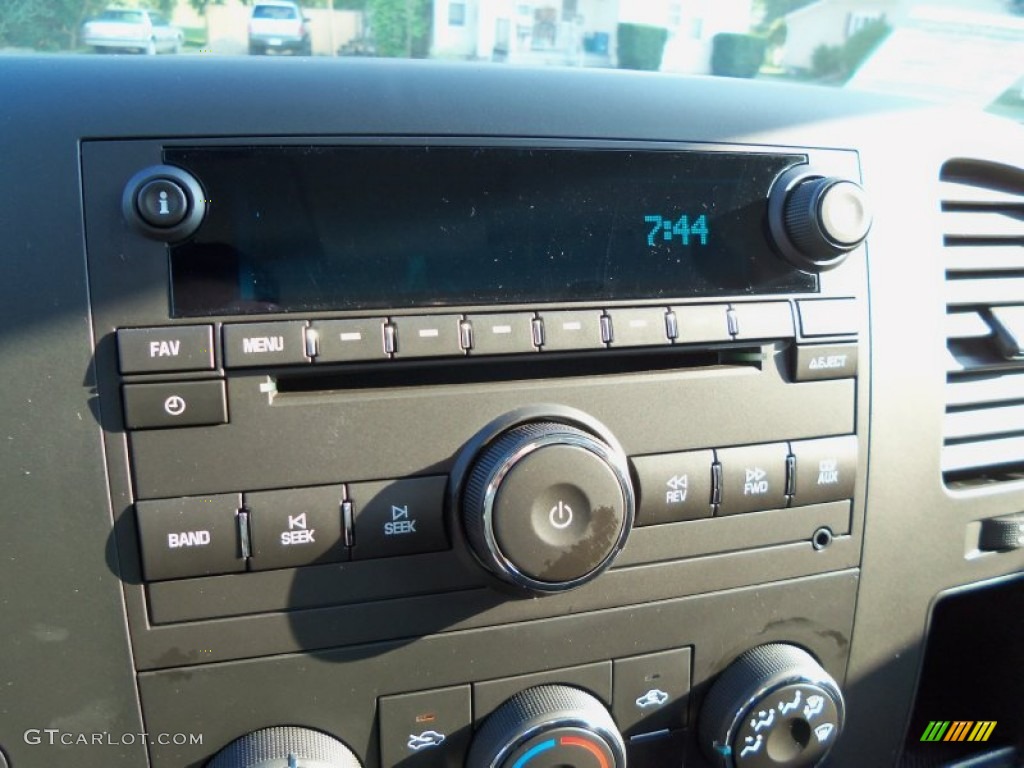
(162, 203)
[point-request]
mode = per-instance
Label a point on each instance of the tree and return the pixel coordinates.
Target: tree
(48, 26)
(773, 10)
(397, 24)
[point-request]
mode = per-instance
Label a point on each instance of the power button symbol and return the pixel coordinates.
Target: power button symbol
(175, 405)
(560, 515)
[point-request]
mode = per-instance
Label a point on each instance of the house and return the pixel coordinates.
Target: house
(580, 32)
(831, 22)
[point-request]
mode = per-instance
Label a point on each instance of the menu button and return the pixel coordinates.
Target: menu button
(259, 344)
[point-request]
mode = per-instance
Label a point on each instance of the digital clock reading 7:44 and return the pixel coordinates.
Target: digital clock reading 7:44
(682, 228)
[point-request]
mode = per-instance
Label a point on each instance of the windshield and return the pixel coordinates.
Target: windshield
(117, 14)
(964, 52)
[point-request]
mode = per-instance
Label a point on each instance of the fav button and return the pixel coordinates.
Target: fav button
(194, 536)
(178, 404)
(172, 348)
(753, 478)
(294, 527)
(398, 517)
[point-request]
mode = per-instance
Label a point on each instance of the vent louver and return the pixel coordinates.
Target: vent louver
(983, 216)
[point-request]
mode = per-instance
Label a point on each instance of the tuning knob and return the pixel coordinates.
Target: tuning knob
(285, 747)
(774, 707)
(547, 506)
(551, 725)
(817, 220)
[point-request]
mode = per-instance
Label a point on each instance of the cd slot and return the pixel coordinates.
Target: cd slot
(401, 374)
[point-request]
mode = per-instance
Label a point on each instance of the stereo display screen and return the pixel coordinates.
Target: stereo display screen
(299, 228)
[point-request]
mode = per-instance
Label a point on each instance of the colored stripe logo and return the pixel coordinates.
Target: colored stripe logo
(958, 730)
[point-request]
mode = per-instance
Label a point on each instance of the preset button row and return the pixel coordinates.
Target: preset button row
(698, 484)
(294, 342)
(230, 533)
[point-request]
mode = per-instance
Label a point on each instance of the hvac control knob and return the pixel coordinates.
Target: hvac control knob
(285, 747)
(551, 726)
(547, 506)
(817, 220)
(774, 707)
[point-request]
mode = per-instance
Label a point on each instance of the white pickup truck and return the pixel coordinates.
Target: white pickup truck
(278, 25)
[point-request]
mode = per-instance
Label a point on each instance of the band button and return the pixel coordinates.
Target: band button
(193, 536)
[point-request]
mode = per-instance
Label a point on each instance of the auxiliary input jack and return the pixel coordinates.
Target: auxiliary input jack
(822, 538)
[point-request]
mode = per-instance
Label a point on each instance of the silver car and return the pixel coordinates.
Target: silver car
(137, 29)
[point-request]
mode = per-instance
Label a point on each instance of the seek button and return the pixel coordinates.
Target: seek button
(295, 527)
(398, 517)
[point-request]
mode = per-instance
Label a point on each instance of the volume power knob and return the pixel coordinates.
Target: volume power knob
(547, 506)
(817, 220)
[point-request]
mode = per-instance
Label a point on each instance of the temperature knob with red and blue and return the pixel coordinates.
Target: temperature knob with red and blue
(550, 726)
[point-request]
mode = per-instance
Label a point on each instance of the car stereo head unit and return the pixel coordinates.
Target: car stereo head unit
(361, 391)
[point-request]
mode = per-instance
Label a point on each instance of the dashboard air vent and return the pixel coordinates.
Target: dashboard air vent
(983, 216)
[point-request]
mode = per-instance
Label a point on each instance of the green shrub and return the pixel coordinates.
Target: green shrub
(195, 36)
(843, 60)
(827, 60)
(641, 46)
(736, 55)
(863, 43)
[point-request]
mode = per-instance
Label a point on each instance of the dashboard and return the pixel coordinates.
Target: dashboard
(374, 413)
